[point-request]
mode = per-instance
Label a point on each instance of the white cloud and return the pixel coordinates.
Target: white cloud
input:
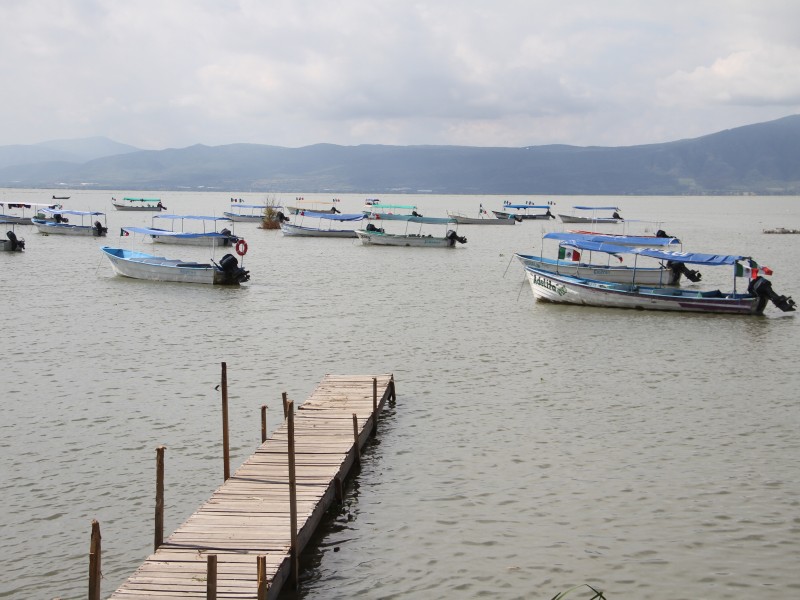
(510, 72)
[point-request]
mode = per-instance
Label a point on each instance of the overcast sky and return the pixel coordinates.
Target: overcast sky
(172, 73)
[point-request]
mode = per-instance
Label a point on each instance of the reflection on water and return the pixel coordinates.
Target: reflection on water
(533, 446)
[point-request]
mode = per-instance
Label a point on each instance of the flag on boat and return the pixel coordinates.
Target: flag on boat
(751, 270)
(565, 253)
(122, 232)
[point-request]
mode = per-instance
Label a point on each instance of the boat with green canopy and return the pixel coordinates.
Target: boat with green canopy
(139, 204)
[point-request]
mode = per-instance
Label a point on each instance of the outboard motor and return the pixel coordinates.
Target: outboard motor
(415, 214)
(454, 237)
(99, 230)
(549, 214)
(282, 218)
(762, 288)
(616, 215)
(681, 269)
(233, 272)
(371, 227)
(16, 244)
(335, 211)
(662, 234)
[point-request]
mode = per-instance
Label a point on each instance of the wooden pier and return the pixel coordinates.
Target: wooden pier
(293, 478)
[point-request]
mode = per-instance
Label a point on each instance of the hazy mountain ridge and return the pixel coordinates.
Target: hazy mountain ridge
(755, 159)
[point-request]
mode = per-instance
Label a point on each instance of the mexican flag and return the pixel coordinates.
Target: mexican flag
(568, 254)
(751, 270)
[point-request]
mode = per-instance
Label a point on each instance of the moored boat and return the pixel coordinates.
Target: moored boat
(590, 215)
(483, 218)
(566, 289)
(12, 243)
(249, 213)
(299, 229)
(139, 265)
(206, 237)
(139, 204)
(59, 224)
(9, 214)
(376, 236)
(520, 212)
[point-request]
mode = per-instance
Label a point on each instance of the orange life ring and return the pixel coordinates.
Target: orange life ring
(241, 247)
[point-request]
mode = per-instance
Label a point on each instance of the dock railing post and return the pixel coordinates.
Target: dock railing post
(292, 497)
(211, 577)
(374, 406)
(158, 537)
(261, 577)
(285, 398)
(226, 458)
(355, 439)
(95, 573)
(263, 423)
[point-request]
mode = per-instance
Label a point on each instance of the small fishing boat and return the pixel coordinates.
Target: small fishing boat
(249, 213)
(60, 225)
(17, 212)
(521, 212)
(312, 205)
(375, 236)
(590, 215)
(577, 263)
(206, 237)
(298, 229)
(483, 218)
(12, 243)
(139, 265)
(139, 204)
(60, 197)
(566, 289)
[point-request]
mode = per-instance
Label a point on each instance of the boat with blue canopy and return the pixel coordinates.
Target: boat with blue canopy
(209, 236)
(520, 212)
(591, 215)
(300, 230)
(609, 266)
(15, 212)
(376, 236)
(59, 224)
(566, 289)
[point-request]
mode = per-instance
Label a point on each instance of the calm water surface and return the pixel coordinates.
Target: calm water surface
(532, 447)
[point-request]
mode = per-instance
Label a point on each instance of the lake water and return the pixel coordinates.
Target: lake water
(533, 447)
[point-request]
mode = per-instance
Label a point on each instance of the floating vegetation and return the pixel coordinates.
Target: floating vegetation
(270, 220)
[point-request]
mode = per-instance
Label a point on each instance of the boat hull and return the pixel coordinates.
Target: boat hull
(561, 289)
(643, 276)
(51, 227)
(237, 218)
(506, 215)
(373, 238)
(462, 220)
(138, 265)
(290, 229)
(209, 241)
(574, 219)
(132, 208)
(16, 220)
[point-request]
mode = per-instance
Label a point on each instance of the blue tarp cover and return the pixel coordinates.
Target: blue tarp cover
(627, 240)
(684, 257)
(167, 233)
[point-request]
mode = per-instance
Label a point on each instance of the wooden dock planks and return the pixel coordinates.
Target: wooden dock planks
(249, 515)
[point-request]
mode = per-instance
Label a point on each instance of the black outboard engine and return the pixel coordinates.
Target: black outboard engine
(415, 214)
(616, 215)
(99, 230)
(371, 227)
(335, 211)
(454, 237)
(762, 288)
(662, 234)
(16, 244)
(681, 269)
(282, 218)
(233, 272)
(549, 214)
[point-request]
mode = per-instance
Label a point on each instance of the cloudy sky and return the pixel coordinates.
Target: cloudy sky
(172, 73)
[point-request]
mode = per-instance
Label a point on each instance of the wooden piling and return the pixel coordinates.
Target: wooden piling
(226, 455)
(158, 537)
(95, 572)
(263, 423)
(285, 398)
(374, 406)
(261, 577)
(211, 577)
(356, 446)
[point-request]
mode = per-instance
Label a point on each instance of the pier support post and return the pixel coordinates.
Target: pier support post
(211, 577)
(226, 457)
(292, 497)
(392, 391)
(158, 537)
(285, 398)
(95, 573)
(355, 439)
(261, 577)
(263, 423)
(374, 406)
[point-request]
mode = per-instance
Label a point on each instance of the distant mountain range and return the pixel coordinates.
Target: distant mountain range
(761, 159)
